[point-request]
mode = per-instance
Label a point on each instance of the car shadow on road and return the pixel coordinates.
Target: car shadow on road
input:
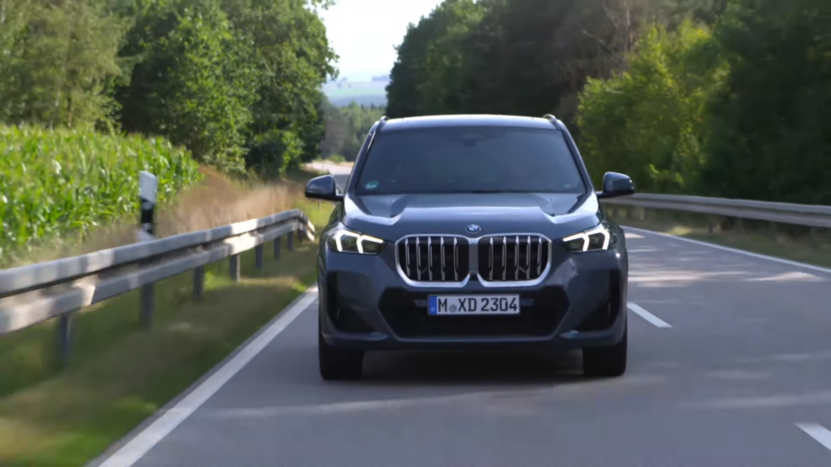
(490, 367)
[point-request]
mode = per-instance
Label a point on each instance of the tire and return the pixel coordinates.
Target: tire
(606, 361)
(338, 364)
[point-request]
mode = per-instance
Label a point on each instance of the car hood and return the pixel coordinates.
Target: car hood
(393, 216)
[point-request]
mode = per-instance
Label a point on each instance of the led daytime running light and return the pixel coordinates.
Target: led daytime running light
(585, 237)
(360, 240)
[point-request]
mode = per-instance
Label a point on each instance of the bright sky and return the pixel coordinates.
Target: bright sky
(365, 32)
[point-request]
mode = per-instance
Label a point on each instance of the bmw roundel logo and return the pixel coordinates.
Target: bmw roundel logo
(473, 228)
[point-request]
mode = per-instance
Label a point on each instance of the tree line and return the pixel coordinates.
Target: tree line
(237, 82)
(346, 128)
(715, 97)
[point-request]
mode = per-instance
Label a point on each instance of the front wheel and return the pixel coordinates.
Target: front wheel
(606, 361)
(338, 364)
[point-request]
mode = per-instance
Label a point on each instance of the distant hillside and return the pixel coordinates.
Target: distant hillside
(344, 92)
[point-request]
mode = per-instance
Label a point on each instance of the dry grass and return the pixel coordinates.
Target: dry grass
(784, 241)
(219, 201)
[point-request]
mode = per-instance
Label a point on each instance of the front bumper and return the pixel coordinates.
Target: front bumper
(366, 304)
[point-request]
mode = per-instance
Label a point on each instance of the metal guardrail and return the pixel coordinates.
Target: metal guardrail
(57, 289)
(782, 213)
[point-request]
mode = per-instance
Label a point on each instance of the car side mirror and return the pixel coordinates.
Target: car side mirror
(323, 187)
(616, 184)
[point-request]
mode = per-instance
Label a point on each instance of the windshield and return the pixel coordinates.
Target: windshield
(469, 160)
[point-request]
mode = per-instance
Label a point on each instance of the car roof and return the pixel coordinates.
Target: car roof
(410, 123)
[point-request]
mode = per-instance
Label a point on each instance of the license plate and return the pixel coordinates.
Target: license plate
(473, 305)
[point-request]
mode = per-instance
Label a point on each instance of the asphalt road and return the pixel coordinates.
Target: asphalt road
(729, 354)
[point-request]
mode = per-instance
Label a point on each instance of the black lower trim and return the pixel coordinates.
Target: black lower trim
(343, 318)
(605, 315)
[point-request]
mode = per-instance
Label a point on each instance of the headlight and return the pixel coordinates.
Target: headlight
(345, 241)
(595, 239)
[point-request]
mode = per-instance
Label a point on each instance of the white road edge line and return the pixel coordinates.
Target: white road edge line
(818, 432)
(732, 250)
(139, 445)
(656, 321)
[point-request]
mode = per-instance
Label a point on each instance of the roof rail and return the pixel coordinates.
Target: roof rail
(553, 120)
(381, 123)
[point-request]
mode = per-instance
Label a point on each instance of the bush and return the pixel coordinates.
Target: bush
(274, 153)
(57, 182)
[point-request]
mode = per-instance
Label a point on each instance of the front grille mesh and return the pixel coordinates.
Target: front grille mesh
(434, 258)
(513, 258)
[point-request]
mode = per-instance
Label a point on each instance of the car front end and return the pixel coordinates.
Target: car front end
(562, 287)
(471, 232)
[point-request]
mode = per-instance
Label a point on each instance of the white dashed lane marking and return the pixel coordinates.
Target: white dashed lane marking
(818, 432)
(654, 320)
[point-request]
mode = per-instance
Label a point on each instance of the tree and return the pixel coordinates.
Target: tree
(293, 59)
(195, 83)
(56, 61)
(770, 137)
(525, 57)
(650, 122)
(346, 128)
(426, 78)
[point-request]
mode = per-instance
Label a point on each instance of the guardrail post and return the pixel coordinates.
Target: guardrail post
(148, 304)
(290, 241)
(148, 188)
(64, 338)
(277, 248)
(710, 223)
(198, 281)
(234, 267)
(258, 256)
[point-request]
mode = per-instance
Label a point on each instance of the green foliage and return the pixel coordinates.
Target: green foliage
(216, 76)
(526, 57)
(718, 97)
(195, 85)
(63, 182)
(292, 59)
(650, 121)
(220, 77)
(346, 128)
(275, 153)
(770, 132)
(56, 62)
(426, 78)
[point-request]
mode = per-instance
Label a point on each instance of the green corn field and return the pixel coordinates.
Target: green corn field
(64, 182)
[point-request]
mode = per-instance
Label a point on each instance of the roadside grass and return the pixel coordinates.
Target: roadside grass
(790, 242)
(119, 373)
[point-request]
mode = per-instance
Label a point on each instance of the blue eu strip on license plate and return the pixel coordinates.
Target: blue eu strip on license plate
(473, 305)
